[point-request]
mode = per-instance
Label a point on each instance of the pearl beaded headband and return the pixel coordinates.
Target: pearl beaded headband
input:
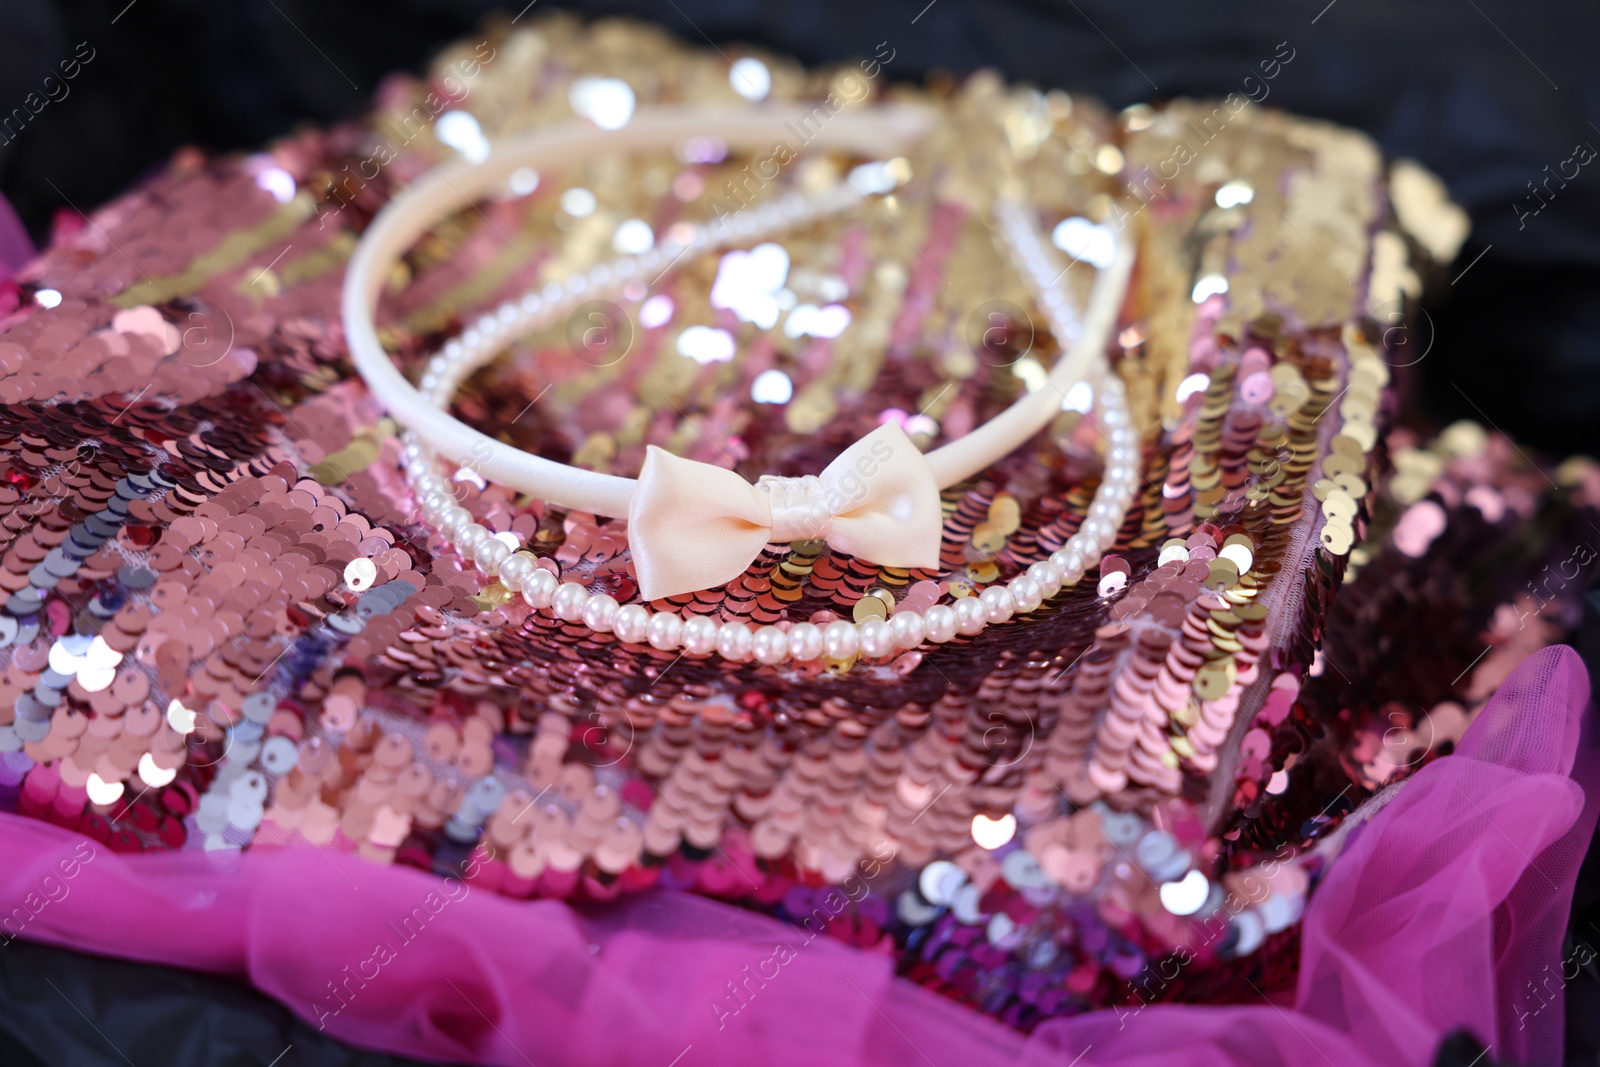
(890, 516)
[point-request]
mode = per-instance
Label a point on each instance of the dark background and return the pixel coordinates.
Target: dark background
(1487, 93)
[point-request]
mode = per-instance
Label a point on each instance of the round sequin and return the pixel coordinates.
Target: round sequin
(359, 574)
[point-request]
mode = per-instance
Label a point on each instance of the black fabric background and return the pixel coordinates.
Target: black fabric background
(62, 1009)
(1487, 93)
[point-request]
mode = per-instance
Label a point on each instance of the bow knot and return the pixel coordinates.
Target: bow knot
(693, 526)
(800, 509)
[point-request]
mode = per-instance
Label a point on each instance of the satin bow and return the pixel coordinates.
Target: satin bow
(693, 526)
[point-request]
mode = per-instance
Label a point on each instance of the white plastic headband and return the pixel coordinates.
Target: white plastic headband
(452, 186)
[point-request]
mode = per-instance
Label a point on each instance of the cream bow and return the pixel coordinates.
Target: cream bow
(693, 526)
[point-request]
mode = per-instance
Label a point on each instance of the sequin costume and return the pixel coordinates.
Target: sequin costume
(223, 626)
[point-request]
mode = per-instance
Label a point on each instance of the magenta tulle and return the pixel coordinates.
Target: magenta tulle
(1444, 912)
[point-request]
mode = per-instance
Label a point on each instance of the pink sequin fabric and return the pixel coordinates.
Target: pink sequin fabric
(224, 628)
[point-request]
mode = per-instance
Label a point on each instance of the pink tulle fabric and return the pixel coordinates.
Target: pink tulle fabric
(1441, 910)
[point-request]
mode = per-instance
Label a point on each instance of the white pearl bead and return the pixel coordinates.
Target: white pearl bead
(839, 640)
(631, 624)
(733, 642)
(1072, 566)
(665, 631)
(700, 635)
(875, 638)
(971, 615)
(569, 601)
(770, 645)
(1082, 544)
(940, 622)
(600, 613)
(997, 603)
(471, 536)
(515, 571)
(1048, 575)
(1062, 560)
(909, 628)
(490, 554)
(805, 641)
(1026, 594)
(453, 521)
(538, 589)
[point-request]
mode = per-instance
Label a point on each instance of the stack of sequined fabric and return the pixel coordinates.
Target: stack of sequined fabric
(224, 626)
